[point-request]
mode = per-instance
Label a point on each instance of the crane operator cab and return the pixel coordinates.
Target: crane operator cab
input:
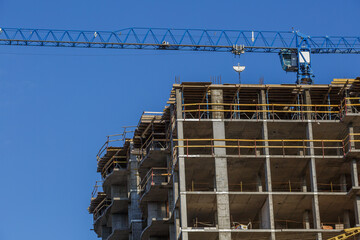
(289, 60)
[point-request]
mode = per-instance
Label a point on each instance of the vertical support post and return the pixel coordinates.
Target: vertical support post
(221, 173)
(306, 219)
(182, 183)
(312, 166)
(269, 206)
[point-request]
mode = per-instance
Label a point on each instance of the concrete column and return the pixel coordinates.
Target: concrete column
(175, 228)
(343, 186)
(306, 219)
(351, 145)
(175, 189)
(217, 98)
(357, 210)
(346, 219)
(259, 183)
(265, 218)
(354, 173)
(304, 185)
(182, 180)
(267, 211)
(135, 216)
(348, 103)
(221, 173)
(312, 166)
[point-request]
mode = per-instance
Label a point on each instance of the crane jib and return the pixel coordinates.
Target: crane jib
(293, 47)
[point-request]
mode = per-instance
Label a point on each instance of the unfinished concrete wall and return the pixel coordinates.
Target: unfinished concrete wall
(244, 162)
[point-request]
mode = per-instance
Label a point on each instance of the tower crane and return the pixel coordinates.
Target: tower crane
(293, 47)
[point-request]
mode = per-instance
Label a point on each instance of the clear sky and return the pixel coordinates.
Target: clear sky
(58, 104)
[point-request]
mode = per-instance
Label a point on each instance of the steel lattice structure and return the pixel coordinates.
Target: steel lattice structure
(234, 41)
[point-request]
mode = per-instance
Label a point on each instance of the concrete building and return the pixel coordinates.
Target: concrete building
(230, 161)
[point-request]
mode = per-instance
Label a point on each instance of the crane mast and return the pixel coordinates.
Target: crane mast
(294, 48)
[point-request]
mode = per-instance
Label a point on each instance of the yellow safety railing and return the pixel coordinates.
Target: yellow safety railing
(198, 224)
(273, 111)
(279, 224)
(244, 186)
(97, 188)
(116, 139)
(153, 177)
(351, 142)
(101, 207)
(200, 186)
(112, 163)
(289, 224)
(350, 105)
(294, 186)
(324, 147)
(331, 187)
(283, 186)
(155, 140)
(253, 146)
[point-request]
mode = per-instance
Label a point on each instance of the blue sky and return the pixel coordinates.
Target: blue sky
(57, 104)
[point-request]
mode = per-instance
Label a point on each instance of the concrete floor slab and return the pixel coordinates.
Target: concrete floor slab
(117, 177)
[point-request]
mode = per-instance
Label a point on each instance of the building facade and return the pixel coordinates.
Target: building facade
(236, 161)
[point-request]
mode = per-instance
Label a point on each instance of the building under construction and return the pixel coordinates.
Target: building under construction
(235, 161)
